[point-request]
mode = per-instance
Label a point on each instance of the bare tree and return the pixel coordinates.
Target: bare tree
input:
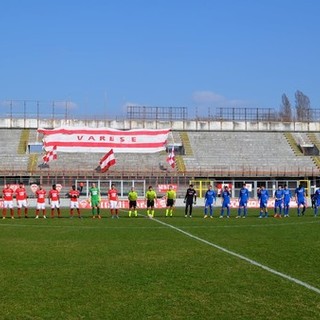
(302, 106)
(285, 109)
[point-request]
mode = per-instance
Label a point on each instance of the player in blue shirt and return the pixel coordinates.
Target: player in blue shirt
(316, 202)
(278, 202)
(286, 200)
(300, 195)
(243, 201)
(210, 198)
(225, 195)
(263, 196)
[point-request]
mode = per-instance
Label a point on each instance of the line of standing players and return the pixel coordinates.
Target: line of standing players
(282, 201)
(53, 197)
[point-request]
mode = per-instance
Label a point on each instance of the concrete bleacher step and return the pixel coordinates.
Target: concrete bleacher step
(186, 143)
(314, 139)
(11, 140)
(293, 143)
(24, 138)
(32, 162)
(316, 160)
(267, 150)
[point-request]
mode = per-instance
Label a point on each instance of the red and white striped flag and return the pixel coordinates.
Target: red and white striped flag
(171, 158)
(107, 161)
(50, 155)
(98, 140)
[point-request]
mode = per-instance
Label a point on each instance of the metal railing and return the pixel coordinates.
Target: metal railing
(64, 109)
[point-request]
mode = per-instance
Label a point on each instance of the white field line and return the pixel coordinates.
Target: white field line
(165, 225)
(253, 262)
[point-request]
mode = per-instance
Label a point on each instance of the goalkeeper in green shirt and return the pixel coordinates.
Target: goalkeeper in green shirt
(150, 196)
(95, 199)
(171, 198)
(133, 196)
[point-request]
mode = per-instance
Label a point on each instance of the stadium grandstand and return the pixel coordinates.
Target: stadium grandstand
(205, 149)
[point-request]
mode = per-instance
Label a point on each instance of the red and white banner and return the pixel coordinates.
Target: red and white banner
(161, 203)
(107, 161)
(122, 204)
(50, 155)
(34, 187)
(82, 139)
(163, 188)
(255, 203)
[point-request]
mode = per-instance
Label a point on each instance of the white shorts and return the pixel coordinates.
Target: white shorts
(8, 204)
(41, 205)
(55, 204)
(22, 203)
(74, 205)
(113, 204)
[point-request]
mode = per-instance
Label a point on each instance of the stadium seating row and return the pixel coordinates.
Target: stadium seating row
(238, 150)
(222, 150)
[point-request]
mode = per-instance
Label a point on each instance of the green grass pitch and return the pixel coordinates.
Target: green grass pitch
(141, 268)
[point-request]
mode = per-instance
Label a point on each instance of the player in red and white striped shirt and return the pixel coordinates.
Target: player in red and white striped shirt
(113, 201)
(41, 202)
(54, 200)
(21, 197)
(7, 196)
(74, 203)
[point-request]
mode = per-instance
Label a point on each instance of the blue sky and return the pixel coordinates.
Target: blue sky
(104, 55)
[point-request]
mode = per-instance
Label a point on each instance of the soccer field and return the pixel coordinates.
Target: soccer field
(161, 268)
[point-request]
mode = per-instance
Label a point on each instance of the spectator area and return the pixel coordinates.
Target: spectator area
(243, 150)
(10, 158)
(215, 150)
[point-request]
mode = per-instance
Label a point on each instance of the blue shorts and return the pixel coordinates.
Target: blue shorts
(278, 204)
(243, 203)
(225, 204)
(208, 204)
(263, 204)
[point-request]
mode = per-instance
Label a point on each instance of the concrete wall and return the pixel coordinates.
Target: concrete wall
(188, 125)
